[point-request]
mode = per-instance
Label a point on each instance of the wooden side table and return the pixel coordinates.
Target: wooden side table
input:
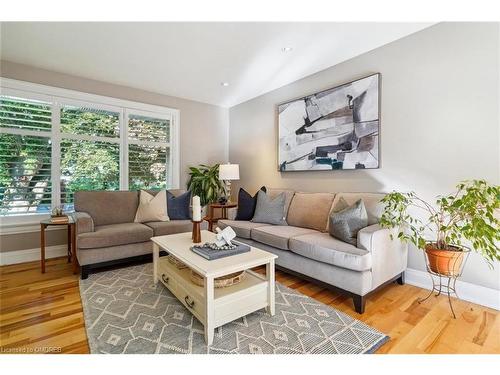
(71, 224)
(210, 215)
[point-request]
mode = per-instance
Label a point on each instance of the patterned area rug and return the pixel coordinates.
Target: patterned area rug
(126, 313)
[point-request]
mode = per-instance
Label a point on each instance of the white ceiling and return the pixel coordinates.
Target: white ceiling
(190, 60)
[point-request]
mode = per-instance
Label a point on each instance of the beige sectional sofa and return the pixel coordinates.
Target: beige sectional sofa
(107, 234)
(306, 248)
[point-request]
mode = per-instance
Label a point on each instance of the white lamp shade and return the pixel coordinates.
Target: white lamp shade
(229, 172)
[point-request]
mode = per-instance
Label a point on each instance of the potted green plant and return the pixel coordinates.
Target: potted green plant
(466, 216)
(204, 182)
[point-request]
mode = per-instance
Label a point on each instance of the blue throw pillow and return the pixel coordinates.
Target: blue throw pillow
(178, 207)
(246, 204)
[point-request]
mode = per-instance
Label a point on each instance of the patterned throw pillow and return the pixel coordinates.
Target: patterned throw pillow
(346, 221)
(246, 204)
(270, 211)
(178, 207)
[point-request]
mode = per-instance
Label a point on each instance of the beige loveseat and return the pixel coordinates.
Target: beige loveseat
(306, 248)
(107, 234)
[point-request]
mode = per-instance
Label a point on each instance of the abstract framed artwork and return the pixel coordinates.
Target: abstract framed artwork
(333, 129)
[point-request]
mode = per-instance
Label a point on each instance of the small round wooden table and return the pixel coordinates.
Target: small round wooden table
(210, 216)
(71, 241)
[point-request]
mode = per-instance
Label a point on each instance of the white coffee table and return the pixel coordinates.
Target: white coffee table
(214, 307)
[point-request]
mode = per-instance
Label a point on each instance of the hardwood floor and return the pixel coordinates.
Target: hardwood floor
(44, 311)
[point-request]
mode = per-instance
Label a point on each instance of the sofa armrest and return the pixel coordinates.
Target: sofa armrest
(84, 222)
(389, 256)
(231, 213)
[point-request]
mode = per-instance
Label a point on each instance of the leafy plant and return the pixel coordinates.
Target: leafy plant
(466, 215)
(204, 182)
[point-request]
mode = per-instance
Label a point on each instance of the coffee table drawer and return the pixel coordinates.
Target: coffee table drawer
(167, 278)
(194, 303)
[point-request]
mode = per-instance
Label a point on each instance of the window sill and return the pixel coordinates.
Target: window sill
(23, 224)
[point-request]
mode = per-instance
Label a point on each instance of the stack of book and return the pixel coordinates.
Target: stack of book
(59, 219)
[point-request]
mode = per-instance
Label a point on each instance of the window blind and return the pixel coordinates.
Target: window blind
(143, 128)
(24, 114)
(25, 160)
(90, 121)
(148, 167)
(148, 152)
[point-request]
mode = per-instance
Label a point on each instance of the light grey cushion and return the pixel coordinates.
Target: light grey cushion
(345, 224)
(278, 236)
(324, 248)
(114, 235)
(374, 207)
(289, 194)
(359, 282)
(162, 228)
(242, 228)
(270, 210)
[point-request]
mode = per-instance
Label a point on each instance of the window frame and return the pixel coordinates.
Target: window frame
(173, 165)
(59, 97)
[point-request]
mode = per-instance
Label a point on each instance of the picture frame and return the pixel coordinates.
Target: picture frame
(333, 129)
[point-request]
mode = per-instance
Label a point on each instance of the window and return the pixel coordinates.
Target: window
(25, 157)
(87, 163)
(54, 142)
(148, 152)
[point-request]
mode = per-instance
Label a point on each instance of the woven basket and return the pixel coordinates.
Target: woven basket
(176, 262)
(219, 282)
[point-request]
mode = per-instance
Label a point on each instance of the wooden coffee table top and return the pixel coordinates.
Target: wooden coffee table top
(179, 246)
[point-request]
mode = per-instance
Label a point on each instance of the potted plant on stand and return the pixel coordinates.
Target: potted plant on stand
(466, 217)
(204, 182)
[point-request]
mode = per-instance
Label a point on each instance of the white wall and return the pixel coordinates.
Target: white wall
(439, 122)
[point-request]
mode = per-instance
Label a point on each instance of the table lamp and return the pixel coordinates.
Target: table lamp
(227, 173)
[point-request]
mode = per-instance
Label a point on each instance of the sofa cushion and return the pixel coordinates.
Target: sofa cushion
(310, 210)
(242, 228)
(114, 235)
(178, 206)
(162, 228)
(108, 207)
(152, 207)
(246, 204)
(278, 235)
(270, 210)
(273, 193)
(324, 248)
(345, 224)
(371, 201)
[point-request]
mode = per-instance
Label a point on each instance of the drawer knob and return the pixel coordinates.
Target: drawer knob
(189, 302)
(165, 279)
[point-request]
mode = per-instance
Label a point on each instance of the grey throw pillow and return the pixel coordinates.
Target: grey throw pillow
(345, 223)
(268, 210)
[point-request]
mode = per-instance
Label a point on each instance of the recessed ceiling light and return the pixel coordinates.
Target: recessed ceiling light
(286, 49)
(225, 84)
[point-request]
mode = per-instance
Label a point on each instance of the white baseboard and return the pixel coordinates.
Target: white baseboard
(30, 255)
(469, 292)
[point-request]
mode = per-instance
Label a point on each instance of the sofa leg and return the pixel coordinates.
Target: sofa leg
(84, 272)
(401, 279)
(359, 303)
